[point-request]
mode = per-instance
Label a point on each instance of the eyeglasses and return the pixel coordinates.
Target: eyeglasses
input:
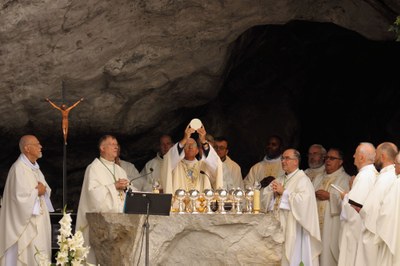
(331, 158)
(287, 158)
(220, 148)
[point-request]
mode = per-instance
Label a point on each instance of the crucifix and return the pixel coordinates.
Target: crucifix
(64, 109)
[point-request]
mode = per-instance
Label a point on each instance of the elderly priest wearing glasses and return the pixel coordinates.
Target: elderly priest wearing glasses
(183, 169)
(295, 206)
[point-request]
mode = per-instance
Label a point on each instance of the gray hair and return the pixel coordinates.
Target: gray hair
(368, 150)
(319, 146)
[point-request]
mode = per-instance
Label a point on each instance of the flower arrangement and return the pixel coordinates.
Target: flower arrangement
(71, 251)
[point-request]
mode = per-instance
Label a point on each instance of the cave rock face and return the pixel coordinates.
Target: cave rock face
(146, 67)
(135, 61)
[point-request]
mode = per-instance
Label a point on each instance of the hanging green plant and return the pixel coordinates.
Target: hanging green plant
(396, 28)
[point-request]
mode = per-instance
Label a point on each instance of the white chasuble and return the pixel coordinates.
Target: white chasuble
(388, 229)
(367, 250)
(299, 220)
(350, 219)
(179, 173)
(232, 174)
(329, 215)
(99, 194)
(24, 216)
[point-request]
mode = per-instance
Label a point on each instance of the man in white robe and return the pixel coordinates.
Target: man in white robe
(24, 216)
(266, 170)
(182, 170)
(388, 223)
(353, 201)
(329, 205)
(103, 188)
(316, 158)
(153, 176)
(295, 206)
(231, 170)
(367, 250)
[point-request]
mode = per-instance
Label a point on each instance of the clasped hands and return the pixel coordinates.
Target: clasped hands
(121, 184)
(41, 188)
(277, 187)
(322, 194)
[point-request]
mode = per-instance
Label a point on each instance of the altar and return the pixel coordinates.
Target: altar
(186, 239)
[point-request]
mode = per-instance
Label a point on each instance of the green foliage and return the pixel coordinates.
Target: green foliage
(396, 28)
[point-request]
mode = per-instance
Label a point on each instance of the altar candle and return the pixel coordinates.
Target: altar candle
(256, 201)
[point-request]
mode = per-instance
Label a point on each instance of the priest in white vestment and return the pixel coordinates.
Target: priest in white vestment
(152, 169)
(367, 251)
(103, 188)
(266, 170)
(388, 221)
(295, 206)
(231, 170)
(316, 158)
(182, 170)
(353, 201)
(24, 216)
(329, 205)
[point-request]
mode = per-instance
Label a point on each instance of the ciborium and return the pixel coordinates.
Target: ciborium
(222, 195)
(193, 196)
(209, 195)
(238, 195)
(232, 198)
(180, 195)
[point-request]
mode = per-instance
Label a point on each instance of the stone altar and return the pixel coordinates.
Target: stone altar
(188, 239)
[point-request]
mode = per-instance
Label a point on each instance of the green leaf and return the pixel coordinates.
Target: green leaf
(301, 263)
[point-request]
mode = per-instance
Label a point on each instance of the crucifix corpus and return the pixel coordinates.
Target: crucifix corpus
(64, 109)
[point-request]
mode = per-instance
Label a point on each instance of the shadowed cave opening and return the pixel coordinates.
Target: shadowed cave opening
(309, 83)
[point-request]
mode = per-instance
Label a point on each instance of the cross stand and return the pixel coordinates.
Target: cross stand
(65, 111)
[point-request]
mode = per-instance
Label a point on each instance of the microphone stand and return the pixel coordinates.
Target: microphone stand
(135, 178)
(146, 226)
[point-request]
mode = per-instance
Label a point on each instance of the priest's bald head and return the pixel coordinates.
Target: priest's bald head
(385, 155)
(30, 146)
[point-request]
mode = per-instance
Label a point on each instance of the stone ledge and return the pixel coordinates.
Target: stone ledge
(230, 239)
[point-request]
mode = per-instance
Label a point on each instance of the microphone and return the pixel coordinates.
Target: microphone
(133, 179)
(204, 173)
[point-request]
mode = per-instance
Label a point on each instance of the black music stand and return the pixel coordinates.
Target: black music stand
(149, 204)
